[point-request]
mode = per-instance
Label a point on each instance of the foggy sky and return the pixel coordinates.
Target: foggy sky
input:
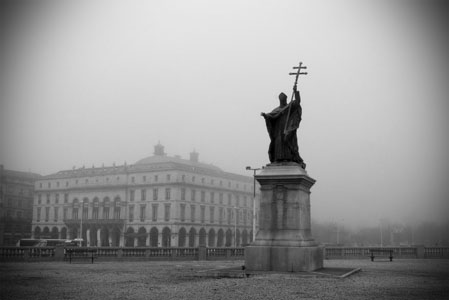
(93, 82)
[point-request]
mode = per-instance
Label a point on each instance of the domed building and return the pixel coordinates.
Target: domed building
(160, 201)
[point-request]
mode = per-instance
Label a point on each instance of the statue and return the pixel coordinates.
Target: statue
(282, 124)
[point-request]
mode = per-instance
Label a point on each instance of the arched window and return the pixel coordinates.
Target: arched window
(154, 233)
(85, 209)
(220, 238)
(117, 208)
(142, 237)
(96, 205)
(106, 207)
(166, 237)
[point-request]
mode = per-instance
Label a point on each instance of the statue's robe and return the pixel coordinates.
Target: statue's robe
(284, 145)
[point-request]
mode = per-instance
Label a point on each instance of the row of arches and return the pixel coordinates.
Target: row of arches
(192, 238)
(105, 236)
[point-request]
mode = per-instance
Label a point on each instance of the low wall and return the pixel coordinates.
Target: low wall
(202, 253)
(398, 252)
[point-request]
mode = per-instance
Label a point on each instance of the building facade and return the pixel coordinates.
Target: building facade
(160, 201)
(16, 205)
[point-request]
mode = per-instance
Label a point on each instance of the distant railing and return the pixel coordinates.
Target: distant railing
(203, 253)
(398, 252)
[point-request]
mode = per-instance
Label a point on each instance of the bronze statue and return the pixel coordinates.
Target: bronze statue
(282, 124)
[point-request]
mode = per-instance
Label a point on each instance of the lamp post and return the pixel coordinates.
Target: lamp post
(254, 199)
(235, 227)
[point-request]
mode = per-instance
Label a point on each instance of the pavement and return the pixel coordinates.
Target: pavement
(400, 279)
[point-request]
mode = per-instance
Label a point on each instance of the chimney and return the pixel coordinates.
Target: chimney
(194, 156)
(159, 150)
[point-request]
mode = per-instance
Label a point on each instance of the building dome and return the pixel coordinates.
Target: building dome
(161, 157)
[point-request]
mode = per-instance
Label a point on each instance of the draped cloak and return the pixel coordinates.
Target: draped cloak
(284, 145)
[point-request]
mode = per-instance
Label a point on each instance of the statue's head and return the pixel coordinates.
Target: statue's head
(282, 99)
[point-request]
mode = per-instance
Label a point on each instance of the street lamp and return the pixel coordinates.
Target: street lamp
(254, 199)
(235, 227)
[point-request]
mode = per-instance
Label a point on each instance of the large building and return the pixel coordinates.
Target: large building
(160, 201)
(16, 205)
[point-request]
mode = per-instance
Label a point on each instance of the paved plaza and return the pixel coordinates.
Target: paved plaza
(400, 279)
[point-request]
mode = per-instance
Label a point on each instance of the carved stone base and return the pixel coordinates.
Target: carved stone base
(283, 259)
(284, 241)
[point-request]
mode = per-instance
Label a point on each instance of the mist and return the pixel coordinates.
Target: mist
(88, 83)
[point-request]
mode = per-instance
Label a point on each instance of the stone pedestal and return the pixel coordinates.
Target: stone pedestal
(284, 241)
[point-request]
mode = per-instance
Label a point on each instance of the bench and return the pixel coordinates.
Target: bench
(381, 252)
(81, 254)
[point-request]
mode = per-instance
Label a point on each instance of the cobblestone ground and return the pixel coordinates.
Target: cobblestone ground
(400, 279)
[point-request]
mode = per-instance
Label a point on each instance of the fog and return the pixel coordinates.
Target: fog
(101, 82)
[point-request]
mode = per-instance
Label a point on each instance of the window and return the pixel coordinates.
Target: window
(131, 213)
(85, 209)
(167, 212)
(133, 179)
(220, 198)
(39, 199)
(55, 213)
(193, 178)
(192, 213)
(168, 177)
(183, 178)
(229, 215)
(212, 214)
(57, 198)
(143, 194)
(220, 215)
(193, 195)
(38, 214)
(144, 178)
(156, 178)
(47, 213)
(212, 197)
(183, 194)
(182, 212)
(95, 209)
(155, 193)
(117, 209)
(48, 198)
(49, 185)
(143, 208)
(40, 185)
(155, 207)
(167, 193)
(87, 181)
(131, 195)
(57, 183)
(203, 213)
(66, 198)
(66, 183)
(64, 213)
(229, 200)
(237, 200)
(202, 180)
(203, 196)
